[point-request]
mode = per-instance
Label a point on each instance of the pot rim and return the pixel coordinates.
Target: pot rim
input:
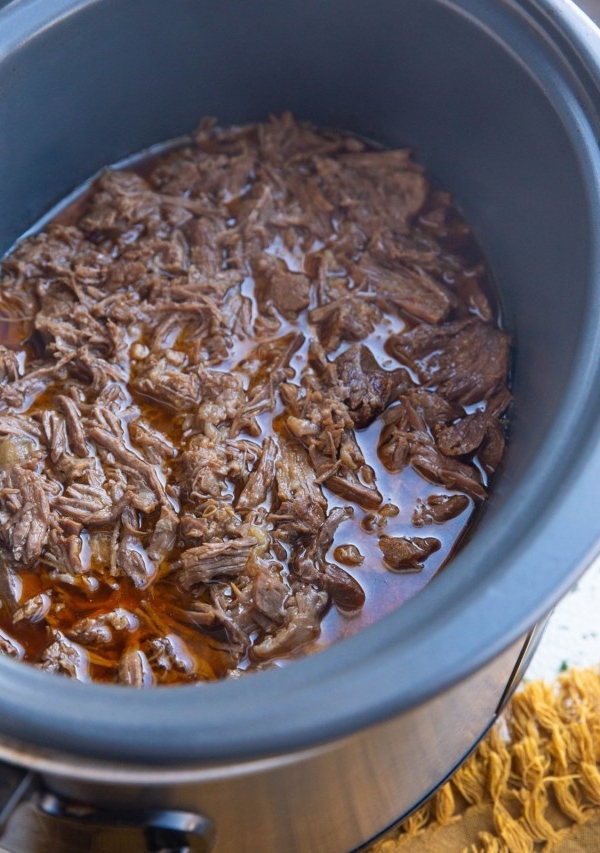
(396, 663)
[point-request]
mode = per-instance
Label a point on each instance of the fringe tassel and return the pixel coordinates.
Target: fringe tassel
(488, 844)
(539, 764)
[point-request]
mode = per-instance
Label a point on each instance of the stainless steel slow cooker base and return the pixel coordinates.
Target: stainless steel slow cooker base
(330, 798)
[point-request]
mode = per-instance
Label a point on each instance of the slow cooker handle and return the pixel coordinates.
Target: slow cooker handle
(164, 830)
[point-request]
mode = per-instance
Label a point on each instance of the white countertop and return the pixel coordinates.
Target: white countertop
(572, 636)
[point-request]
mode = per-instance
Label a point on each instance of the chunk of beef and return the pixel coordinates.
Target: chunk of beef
(302, 624)
(63, 553)
(155, 447)
(309, 562)
(260, 480)
(365, 387)
(122, 207)
(170, 653)
(211, 464)
(162, 539)
(71, 326)
(388, 194)
(381, 161)
(491, 450)
(44, 255)
(324, 538)
(55, 433)
(214, 617)
(223, 398)
(437, 509)
(427, 410)
(180, 315)
(319, 417)
(79, 501)
(345, 591)
(414, 292)
(95, 371)
(283, 139)
(236, 313)
(302, 505)
(20, 427)
(162, 379)
(406, 439)
(91, 631)
(223, 162)
(275, 285)
(403, 430)
(100, 630)
(270, 594)
(353, 479)
(11, 585)
(322, 421)
(26, 531)
(24, 390)
(214, 559)
(214, 521)
(464, 436)
(130, 558)
(9, 366)
(64, 657)
(75, 433)
(217, 281)
(447, 472)
(127, 458)
(417, 251)
(205, 467)
(350, 555)
(344, 319)
(267, 367)
(407, 554)
(467, 360)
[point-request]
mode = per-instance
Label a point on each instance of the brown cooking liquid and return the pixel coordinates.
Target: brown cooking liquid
(159, 609)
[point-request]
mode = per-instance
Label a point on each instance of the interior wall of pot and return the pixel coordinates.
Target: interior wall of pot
(114, 76)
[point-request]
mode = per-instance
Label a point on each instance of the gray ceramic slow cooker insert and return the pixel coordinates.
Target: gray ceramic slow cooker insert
(501, 101)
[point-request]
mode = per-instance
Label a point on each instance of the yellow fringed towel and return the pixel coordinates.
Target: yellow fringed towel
(532, 785)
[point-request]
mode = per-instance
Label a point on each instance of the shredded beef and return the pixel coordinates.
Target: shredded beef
(367, 389)
(467, 360)
(288, 292)
(214, 559)
(407, 554)
(302, 504)
(259, 481)
(437, 509)
(227, 376)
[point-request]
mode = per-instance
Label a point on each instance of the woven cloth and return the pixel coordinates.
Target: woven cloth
(532, 785)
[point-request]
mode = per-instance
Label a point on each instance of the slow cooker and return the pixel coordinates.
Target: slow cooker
(501, 100)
